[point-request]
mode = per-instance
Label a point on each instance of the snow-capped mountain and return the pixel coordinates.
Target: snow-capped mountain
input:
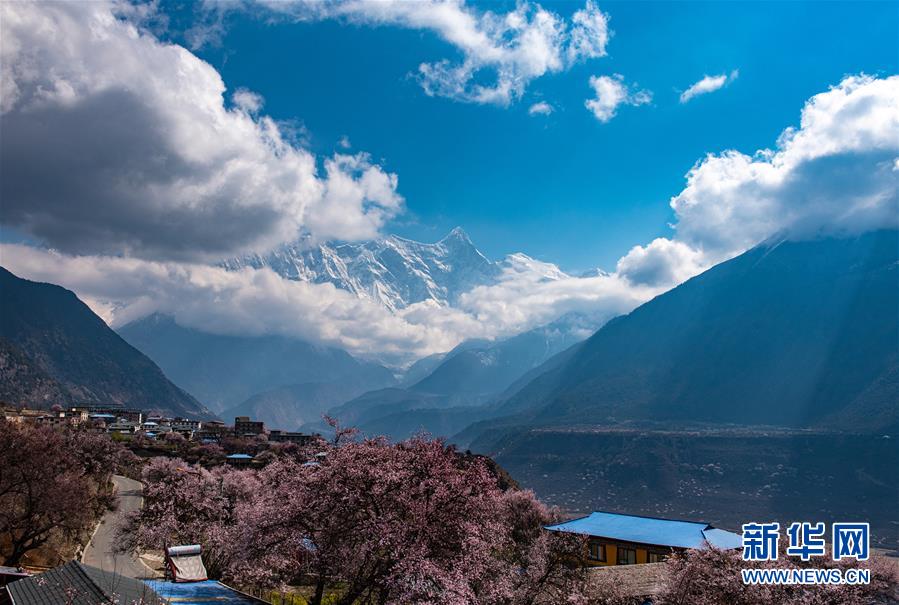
(393, 271)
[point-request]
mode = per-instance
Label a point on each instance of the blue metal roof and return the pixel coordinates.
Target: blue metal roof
(723, 539)
(239, 457)
(209, 592)
(649, 530)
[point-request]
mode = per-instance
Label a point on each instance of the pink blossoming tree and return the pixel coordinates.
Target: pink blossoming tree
(698, 577)
(186, 504)
(367, 521)
(54, 483)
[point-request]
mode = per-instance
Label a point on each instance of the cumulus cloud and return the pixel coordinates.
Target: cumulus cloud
(115, 142)
(541, 108)
(247, 100)
(123, 153)
(532, 293)
(833, 175)
(357, 195)
(501, 52)
(661, 262)
(708, 84)
(612, 92)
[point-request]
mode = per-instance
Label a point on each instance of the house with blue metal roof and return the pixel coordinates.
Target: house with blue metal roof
(238, 459)
(618, 539)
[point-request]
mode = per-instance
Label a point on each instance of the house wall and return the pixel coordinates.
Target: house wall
(612, 547)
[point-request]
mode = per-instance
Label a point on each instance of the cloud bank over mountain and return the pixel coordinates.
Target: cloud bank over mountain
(128, 158)
(253, 301)
(838, 172)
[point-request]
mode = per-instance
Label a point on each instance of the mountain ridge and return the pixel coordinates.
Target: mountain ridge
(54, 339)
(224, 371)
(794, 334)
(393, 271)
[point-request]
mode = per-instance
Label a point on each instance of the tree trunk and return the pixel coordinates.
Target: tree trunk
(351, 595)
(319, 591)
(15, 556)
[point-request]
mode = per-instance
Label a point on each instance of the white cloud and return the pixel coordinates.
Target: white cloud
(662, 262)
(590, 33)
(501, 52)
(541, 108)
(248, 301)
(612, 92)
(190, 177)
(834, 174)
(258, 301)
(357, 195)
(115, 142)
(532, 293)
(247, 100)
(708, 84)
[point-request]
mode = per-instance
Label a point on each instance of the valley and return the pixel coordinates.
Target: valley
(764, 388)
(726, 476)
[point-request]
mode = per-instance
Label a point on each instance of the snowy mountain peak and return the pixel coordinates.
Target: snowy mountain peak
(393, 271)
(534, 269)
(456, 236)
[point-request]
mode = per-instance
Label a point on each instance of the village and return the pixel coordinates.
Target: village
(129, 423)
(610, 543)
(179, 532)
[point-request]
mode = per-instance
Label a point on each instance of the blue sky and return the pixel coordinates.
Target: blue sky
(563, 188)
(135, 159)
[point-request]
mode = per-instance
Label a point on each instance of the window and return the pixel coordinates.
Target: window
(655, 557)
(597, 551)
(627, 556)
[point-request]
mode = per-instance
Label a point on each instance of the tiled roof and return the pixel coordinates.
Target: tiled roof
(78, 584)
(649, 530)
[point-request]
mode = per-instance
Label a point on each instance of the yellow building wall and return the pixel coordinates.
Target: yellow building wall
(612, 556)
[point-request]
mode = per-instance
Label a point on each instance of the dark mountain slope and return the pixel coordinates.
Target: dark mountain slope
(23, 383)
(795, 334)
(462, 387)
(224, 371)
(66, 342)
(491, 368)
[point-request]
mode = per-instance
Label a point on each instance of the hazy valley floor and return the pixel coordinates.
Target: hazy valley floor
(725, 477)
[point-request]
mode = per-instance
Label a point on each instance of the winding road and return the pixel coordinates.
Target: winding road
(100, 552)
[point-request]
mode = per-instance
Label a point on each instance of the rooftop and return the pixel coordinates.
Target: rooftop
(13, 571)
(78, 584)
(649, 530)
(208, 592)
